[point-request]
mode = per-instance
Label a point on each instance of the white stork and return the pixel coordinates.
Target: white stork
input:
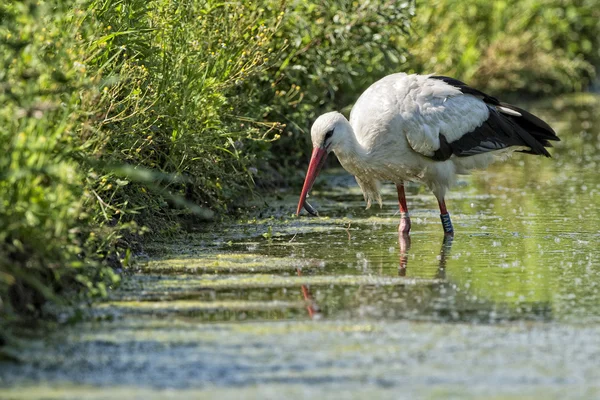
(421, 128)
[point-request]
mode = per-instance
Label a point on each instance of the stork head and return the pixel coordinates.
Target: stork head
(327, 133)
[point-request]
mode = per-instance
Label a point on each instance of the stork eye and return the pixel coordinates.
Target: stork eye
(328, 134)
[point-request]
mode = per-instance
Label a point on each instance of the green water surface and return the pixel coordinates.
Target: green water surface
(341, 306)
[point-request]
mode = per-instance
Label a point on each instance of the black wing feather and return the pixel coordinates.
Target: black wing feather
(499, 131)
(466, 89)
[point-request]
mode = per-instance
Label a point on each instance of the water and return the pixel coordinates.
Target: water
(341, 306)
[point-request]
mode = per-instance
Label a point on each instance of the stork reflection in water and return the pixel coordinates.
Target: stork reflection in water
(314, 311)
(404, 245)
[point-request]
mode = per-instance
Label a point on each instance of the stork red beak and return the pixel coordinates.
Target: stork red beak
(317, 159)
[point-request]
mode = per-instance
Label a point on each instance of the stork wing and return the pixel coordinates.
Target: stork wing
(468, 122)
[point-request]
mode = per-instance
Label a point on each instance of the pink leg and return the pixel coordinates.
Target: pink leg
(404, 227)
(445, 217)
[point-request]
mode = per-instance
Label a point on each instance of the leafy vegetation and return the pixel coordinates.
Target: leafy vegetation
(118, 115)
(531, 46)
(50, 236)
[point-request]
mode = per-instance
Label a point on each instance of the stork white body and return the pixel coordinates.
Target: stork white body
(426, 129)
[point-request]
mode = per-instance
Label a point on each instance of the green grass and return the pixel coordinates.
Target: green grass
(50, 241)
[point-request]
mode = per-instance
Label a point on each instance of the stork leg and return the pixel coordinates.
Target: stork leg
(404, 227)
(404, 242)
(445, 217)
